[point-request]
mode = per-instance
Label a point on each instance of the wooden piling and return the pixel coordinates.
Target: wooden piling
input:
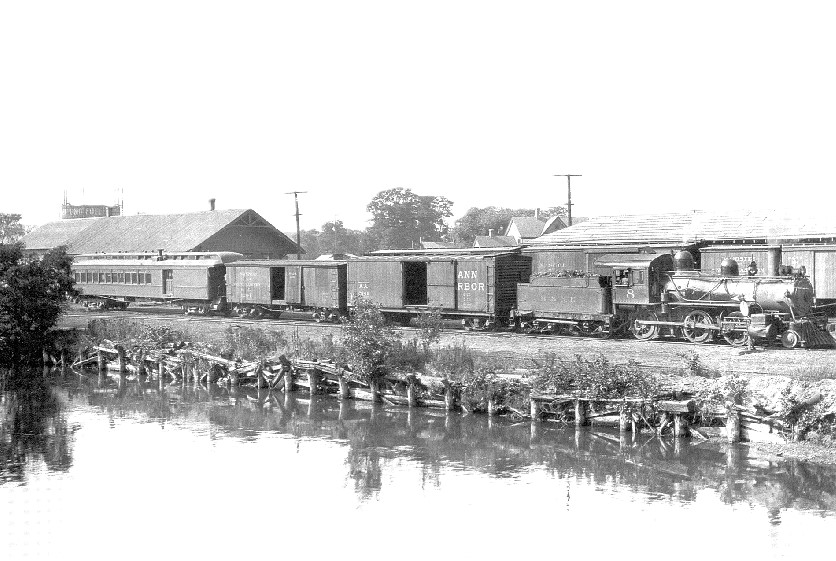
(374, 389)
(732, 424)
(664, 419)
(100, 361)
(411, 394)
(581, 412)
(491, 407)
(288, 381)
(123, 363)
(342, 381)
(160, 368)
(622, 419)
(679, 426)
(313, 380)
(449, 397)
(536, 410)
(45, 357)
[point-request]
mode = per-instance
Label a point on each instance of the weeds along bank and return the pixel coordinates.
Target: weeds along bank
(369, 353)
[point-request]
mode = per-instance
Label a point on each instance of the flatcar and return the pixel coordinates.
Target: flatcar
(257, 288)
(195, 280)
(475, 286)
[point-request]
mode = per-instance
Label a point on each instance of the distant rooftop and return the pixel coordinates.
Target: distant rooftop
(692, 227)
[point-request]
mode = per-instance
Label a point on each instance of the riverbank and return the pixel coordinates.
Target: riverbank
(773, 409)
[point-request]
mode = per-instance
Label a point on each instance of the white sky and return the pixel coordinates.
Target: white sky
(660, 105)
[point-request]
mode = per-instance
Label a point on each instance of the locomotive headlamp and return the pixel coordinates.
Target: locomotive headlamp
(744, 308)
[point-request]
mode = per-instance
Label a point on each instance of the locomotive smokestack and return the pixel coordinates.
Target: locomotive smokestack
(773, 260)
(212, 204)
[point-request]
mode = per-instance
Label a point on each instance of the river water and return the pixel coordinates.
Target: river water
(107, 468)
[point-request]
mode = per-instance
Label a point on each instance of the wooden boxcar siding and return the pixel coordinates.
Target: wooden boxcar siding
(441, 290)
(510, 270)
(250, 285)
(712, 257)
(475, 285)
(379, 281)
(325, 287)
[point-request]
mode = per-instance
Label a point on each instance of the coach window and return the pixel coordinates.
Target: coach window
(121, 277)
(108, 277)
(133, 278)
(147, 278)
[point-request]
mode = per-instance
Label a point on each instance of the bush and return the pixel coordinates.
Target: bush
(367, 340)
(249, 343)
(595, 378)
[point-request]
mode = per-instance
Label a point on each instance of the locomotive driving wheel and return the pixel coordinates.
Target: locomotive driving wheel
(641, 331)
(736, 338)
(691, 327)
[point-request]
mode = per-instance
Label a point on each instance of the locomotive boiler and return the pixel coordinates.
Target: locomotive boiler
(700, 307)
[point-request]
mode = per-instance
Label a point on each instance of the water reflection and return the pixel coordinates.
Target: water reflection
(32, 428)
(378, 438)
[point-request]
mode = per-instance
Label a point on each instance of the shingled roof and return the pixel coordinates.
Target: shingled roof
(494, 241)
(56, 234)
(528, 226)
(150, 232)
(691, 227)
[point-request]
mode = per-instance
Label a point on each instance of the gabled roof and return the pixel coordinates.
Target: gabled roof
(494, 241)
(56, 234)
(150, 232)
(528, 226)
(691, 227)
(438, 245)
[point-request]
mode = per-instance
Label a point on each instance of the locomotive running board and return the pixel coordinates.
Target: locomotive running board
(709, 326)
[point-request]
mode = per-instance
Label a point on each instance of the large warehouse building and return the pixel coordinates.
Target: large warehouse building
(242, 231)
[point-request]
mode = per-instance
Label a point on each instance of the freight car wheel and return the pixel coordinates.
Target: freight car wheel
(790, 338)
(643, 331)
(736, 338)
(698, 334)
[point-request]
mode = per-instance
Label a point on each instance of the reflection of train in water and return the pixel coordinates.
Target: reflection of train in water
(647, 294)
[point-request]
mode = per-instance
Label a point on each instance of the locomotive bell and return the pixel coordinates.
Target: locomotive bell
(729, 268)
(683, 261)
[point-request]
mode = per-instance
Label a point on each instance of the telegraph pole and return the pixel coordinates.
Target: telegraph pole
(569, 177)
(298, 232)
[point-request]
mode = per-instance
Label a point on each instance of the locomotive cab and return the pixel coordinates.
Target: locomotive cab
(636, 278)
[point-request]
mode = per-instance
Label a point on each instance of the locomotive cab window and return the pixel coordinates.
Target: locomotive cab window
(638, 277)
(621, 277)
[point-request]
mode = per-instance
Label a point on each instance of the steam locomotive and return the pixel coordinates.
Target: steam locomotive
(652, 295)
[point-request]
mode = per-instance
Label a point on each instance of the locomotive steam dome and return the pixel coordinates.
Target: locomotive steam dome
(729, 268)
(683, 261)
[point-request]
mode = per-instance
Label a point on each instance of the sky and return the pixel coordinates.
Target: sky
(660, 106)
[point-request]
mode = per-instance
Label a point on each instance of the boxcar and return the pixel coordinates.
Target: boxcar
(112, 280)
(480, 288)
(257, 287)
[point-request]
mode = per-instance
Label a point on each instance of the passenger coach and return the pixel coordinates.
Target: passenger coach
(193, 280)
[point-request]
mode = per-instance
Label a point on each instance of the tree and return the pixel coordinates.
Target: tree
(402, 219)
(334, 238)
(11, 230)
(478, 221)
(32, 297)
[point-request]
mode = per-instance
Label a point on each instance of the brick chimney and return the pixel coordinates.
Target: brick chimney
(212, 204)
(490, 232)
(537, 214)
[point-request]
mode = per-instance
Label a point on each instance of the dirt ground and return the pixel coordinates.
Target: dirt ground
(518, 350)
